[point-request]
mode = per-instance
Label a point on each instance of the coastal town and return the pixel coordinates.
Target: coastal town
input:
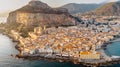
(76, 43)
(43, 32)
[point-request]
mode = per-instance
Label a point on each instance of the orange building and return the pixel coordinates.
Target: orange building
(89, 55)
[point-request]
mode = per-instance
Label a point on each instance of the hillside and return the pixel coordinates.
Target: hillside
(80, 8)
(112, 8)
(40, 7)
(38, 14)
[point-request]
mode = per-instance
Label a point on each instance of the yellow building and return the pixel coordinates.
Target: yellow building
(88, 55)
(32, 35)
(38, 30)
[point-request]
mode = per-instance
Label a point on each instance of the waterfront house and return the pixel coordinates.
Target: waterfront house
(25, 51)
(89, 55)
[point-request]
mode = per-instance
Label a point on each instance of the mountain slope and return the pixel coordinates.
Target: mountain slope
(40, 7)
(37, 13)
(112, 8)
(80, 8)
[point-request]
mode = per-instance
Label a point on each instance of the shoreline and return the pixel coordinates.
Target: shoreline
(98, 63)
(69, 59)
(110, 42)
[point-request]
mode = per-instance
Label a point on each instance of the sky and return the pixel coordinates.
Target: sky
(9, 5)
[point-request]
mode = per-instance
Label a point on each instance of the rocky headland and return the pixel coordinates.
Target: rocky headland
(53, 33)
(37, 13)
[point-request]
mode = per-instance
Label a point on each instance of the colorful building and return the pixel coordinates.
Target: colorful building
(89, 55)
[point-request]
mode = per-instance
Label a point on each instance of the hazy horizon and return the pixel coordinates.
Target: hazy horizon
(8, 5)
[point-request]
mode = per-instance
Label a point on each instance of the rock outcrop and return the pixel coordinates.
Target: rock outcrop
(38, 13)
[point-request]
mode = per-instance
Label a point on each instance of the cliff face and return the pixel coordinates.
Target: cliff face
(38, 13)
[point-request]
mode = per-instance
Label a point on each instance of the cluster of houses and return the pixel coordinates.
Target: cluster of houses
(101, 19)
(76, 41)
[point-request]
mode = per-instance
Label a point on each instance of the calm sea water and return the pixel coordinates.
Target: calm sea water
(7, 48)
(113, 49)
